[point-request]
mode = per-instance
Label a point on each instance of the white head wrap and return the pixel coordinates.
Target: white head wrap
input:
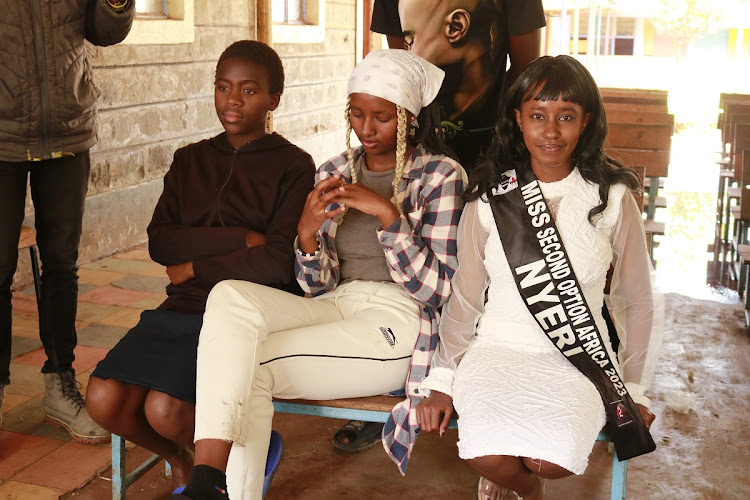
(397, 76)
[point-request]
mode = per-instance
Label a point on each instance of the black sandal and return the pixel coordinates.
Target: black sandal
(357, 436)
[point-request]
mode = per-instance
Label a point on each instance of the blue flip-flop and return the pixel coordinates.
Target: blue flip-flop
(275, 450)
(177, 493)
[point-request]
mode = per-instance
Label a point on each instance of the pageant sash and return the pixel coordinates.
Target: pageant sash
(547, 283)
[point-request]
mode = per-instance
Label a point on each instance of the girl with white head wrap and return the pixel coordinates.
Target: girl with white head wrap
(398, 76)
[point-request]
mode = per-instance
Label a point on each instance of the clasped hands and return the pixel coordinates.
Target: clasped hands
(334, 189)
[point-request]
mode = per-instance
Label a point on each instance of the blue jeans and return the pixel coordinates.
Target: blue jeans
(58, 190)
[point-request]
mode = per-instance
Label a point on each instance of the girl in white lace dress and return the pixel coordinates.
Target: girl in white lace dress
(525, 411)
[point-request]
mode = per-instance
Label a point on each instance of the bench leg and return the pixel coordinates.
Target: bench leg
(121, 480)
(653, 190)
(718, 243)
(619, 478)
(741, 238)
(727, 253)
(118, 468)
(650, 244)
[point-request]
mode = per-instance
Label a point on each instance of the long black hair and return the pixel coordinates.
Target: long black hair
(548, 79)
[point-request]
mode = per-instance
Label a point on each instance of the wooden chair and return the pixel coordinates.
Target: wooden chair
(733, 109)
(27, 239)
(729, 106)
(720, 246)
(738, 104)
(744, 259)
(627, 114)
(730, 123)
(740, 141)
(642, 138)
(644, 108)
(741, 217)
(727, 98)
(649, 97)
(651, 227)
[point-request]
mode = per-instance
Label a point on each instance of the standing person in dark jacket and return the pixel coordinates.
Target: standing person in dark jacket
(47, 126)
(229, 210)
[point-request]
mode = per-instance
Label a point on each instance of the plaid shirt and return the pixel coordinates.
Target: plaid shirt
(420, 247)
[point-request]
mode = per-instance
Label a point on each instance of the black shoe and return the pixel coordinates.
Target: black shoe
(357, 436)
(206, 483)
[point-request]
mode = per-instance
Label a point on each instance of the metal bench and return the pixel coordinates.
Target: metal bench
(371, 409)
(378, 408)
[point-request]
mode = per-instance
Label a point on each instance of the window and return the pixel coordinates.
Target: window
(298, 21)
(616, 39)
(622, 36)
(150, 8)
(289, 11)
(162, 22)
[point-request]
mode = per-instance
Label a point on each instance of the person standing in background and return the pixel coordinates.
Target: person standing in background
(473, 41)
(48, 124)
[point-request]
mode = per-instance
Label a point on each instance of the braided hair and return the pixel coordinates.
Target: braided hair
(429, 134)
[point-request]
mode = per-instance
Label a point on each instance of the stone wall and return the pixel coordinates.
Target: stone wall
(157, 98)
(311, 113)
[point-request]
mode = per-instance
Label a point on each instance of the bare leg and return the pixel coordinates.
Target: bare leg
(546, 470)
(174, 420)
(518, 474)
(508, 472)
(213, 452)
(119, 408)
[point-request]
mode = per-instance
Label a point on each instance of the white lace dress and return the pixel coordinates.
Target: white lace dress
(515, 393)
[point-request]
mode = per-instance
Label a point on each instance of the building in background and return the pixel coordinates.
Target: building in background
(639, 43)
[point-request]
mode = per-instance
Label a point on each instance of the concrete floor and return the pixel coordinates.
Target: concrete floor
(701, 454)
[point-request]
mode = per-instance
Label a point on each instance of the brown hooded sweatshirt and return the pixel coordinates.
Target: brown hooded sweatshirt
(212, 196)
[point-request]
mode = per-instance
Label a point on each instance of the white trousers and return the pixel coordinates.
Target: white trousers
(259, 343)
